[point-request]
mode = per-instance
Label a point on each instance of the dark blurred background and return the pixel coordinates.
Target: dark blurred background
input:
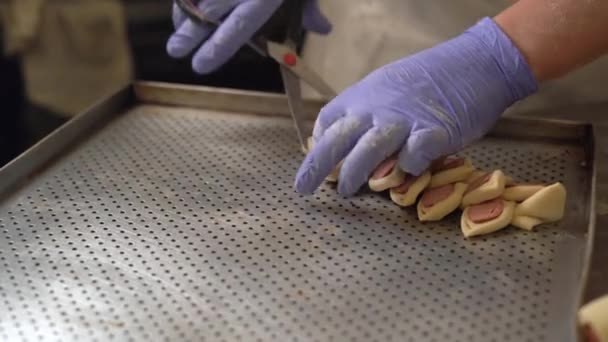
(149, 25)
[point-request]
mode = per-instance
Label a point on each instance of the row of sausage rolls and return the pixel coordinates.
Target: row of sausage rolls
(490, 200)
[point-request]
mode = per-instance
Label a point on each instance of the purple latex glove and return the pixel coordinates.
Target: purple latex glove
(424, 106)
(244, 18)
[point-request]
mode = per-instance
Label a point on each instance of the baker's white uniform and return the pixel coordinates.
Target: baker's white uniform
(368, 34)
(72, 51)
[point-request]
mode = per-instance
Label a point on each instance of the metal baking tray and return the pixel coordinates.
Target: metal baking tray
(168, 213)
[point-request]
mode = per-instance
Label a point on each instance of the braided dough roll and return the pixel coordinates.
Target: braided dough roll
(521, 192)
(486, 217)
(387, 175)
(546, 205)
(478, 173)
(309, 145)
(407, 192)
(484, 188)
(436, 203)
(450, 170)
(333, 176)
(474, 175)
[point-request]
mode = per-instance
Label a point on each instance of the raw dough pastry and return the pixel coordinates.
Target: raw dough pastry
(438, 202)
(546, 205)
(407, 192)
(387, 175)
(520, 192)
(477, 173)
(450, 170)
(593, 319)
(474, 175)
(309, 145)
(486, 217)
(334, 175)
(525, 222)
(484, 188)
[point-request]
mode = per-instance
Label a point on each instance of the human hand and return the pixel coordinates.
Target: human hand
(422, 107)
(241, 19)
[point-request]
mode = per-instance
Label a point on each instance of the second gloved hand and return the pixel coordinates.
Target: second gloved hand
(241, 19)
(422, 107)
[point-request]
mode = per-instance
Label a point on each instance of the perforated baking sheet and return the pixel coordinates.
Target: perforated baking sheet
(173, 223)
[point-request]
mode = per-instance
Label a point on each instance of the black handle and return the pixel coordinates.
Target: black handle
(295, 9)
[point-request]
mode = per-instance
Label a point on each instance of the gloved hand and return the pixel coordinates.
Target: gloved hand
(423, 107)
(246, 17)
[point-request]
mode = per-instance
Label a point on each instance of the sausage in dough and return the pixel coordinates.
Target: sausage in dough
(486, 217)
(408, 191)
(484, 188)
(387, 175)
(436, 203)
(450, 170)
